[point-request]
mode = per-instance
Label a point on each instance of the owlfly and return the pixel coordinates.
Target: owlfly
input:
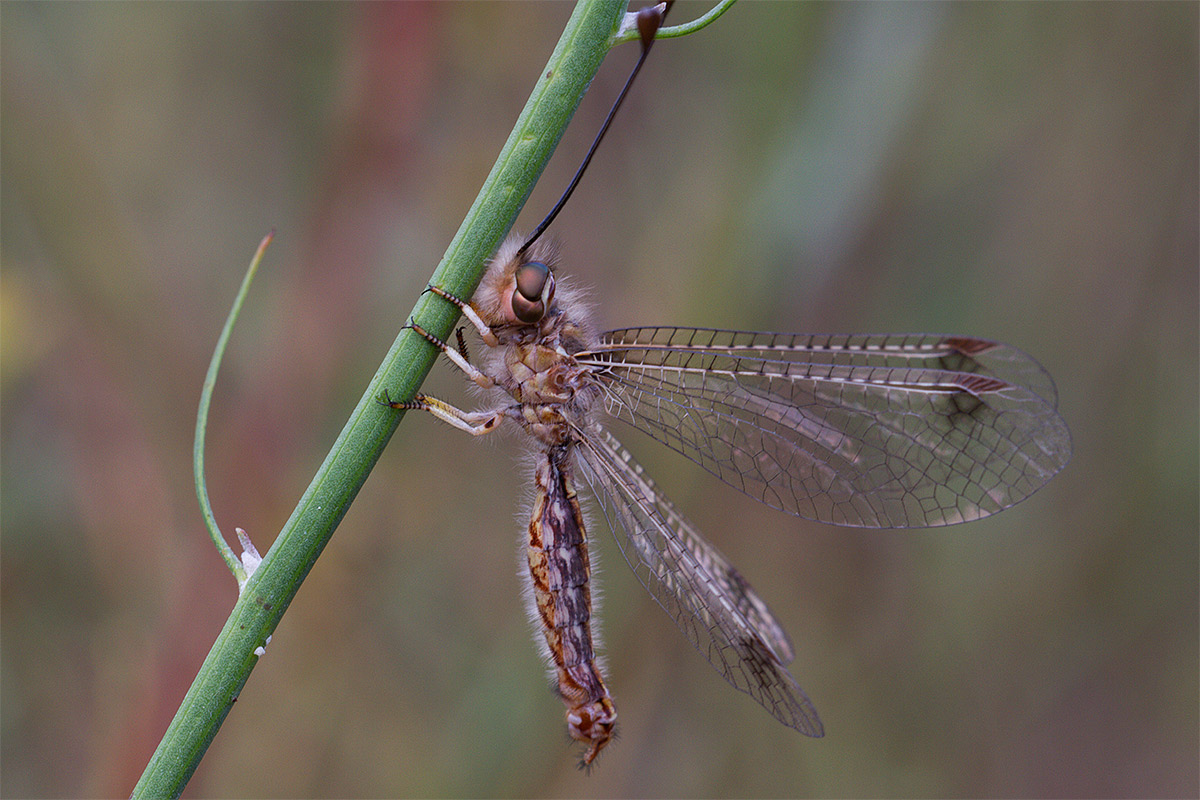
(876, 431)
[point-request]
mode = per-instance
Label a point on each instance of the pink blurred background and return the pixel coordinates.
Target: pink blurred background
(1026, 172)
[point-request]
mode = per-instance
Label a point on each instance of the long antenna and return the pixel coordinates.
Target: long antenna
(649, 20)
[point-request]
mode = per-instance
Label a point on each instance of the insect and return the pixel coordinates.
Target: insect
(879, 431)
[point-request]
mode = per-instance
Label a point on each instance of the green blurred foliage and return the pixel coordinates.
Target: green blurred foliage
(1026, 172)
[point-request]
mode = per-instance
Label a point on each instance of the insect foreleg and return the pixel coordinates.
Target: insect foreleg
(485, 330)
(475, 423)
(456, 357)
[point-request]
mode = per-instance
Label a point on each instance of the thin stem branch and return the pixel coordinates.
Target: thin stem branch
(206, 393)
(628, 31)
(584, 42)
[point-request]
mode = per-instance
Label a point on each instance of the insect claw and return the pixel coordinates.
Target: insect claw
(418, 403)
(386, 400)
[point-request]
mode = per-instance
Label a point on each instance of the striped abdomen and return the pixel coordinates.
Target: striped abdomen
(559, 572)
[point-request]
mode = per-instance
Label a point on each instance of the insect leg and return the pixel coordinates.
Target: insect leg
(455, 356)
(475, 423)
(462, 344)
(485, 330)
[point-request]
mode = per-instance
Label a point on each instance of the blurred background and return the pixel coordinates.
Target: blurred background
(1024, 172)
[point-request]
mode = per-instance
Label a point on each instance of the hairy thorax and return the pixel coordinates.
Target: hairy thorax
(537, 368)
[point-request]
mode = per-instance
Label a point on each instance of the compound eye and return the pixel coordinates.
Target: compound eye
(527, 311)
(531, 278)
(534, 291)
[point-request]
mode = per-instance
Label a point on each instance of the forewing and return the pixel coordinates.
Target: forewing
(865, 430)
(709, 600)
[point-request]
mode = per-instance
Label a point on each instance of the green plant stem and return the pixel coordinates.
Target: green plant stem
(206, 393)
(267, 594)
(675, 31)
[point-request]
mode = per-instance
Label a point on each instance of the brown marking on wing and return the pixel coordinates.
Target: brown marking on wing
(968, 345)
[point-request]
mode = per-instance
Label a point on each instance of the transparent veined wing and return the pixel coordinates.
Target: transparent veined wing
(865, 430)
(702, 592)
